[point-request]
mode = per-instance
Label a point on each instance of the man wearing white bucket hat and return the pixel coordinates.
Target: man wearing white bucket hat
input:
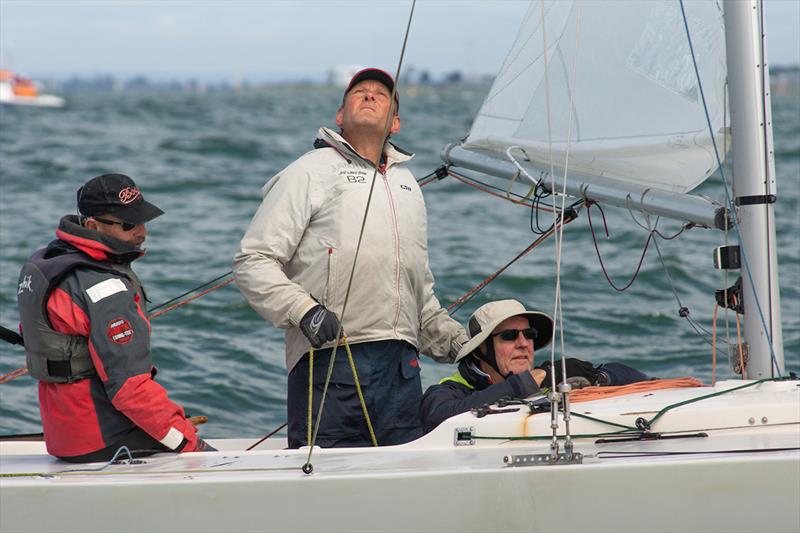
(497, 362)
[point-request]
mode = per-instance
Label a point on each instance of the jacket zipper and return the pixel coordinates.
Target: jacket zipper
(329, 294)
(383, 171)
(396, 250)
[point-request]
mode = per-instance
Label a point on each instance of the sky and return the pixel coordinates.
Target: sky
(266, 40)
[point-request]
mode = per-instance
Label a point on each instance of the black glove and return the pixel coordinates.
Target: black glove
(319, 325)
(578, 372)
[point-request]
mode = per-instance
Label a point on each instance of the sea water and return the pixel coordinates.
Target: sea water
(204, 158)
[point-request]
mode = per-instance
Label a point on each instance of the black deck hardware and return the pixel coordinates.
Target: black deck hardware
(647, 435)
(734, 294)
(484, 410)
(727, 257)
(756, 199)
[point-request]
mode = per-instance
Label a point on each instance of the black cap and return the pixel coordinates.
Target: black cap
(373, 74)
(118, 195)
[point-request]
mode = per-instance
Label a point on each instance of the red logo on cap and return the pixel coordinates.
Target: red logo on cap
(120, 331)
(128, 195)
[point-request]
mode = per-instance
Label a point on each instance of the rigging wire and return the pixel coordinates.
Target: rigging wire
(589, 205)
(683, 311)
(728, 198)
(553, 398)
(654, 229)
(24, 370)
(268, 435)
(190, 291)
(195, 297)
(307, 467)
(558, 305)
(458, 304)
(502, 193)
(535, 203)
(552, 182)
(437, 174)
(14, 374)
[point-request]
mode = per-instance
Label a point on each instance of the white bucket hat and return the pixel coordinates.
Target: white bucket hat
(488, 316)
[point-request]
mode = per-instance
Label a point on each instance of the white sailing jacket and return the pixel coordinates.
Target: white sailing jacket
(300, 246)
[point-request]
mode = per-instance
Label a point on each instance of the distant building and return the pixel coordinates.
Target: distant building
(342, 74)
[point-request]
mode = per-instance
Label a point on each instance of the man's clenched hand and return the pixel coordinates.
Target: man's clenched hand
(320, 326)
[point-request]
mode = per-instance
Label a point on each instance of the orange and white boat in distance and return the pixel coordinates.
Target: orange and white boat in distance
(16, 90)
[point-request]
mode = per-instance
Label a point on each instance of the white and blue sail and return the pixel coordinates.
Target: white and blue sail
(631, 118)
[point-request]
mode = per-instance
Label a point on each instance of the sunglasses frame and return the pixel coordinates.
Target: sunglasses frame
(516, 334)
(126, 226)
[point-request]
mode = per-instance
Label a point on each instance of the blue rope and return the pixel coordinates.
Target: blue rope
(728, 198)
(103, 467)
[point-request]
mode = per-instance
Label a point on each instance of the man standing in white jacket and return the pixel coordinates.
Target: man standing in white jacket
(297, 256)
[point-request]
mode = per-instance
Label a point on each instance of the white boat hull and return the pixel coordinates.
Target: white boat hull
(45, 100)
(8, 97)
(696, 494)
(737, 478)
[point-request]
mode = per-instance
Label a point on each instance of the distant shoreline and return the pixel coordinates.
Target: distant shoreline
(785, 79)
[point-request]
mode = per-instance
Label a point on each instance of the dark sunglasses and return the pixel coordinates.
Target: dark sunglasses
(126, 226)
(512, 334)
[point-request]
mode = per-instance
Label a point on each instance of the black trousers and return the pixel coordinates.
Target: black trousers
(139, 442)
(389, 374)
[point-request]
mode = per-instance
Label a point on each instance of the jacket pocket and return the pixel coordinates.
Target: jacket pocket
(408, 395)
(409, 365)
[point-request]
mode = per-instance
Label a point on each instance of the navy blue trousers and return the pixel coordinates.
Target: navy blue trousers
(621, 374)
(388, 372)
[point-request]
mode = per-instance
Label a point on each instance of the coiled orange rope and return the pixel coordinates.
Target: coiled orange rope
(595, 393)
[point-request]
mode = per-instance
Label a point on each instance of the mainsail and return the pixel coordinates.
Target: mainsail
(632, 111)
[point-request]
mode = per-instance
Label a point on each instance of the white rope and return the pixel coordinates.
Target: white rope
(558, 312)
(557, 305)
(552, 188)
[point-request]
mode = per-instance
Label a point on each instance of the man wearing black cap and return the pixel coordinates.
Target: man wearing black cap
(294, 268)
(87, 336)
(497, 362)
